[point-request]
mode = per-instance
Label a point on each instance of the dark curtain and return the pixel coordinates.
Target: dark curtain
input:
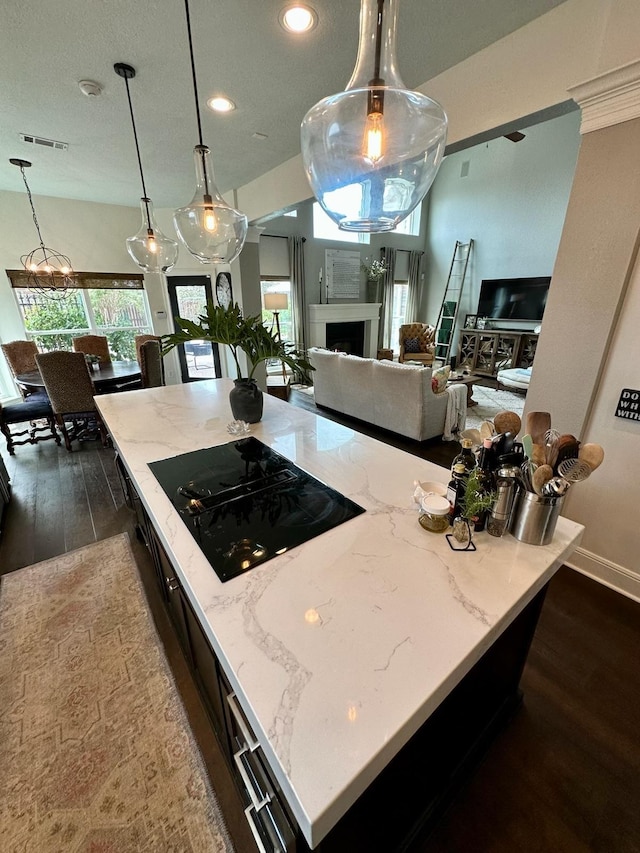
(413, 292)
(298, 299)
(386, 310)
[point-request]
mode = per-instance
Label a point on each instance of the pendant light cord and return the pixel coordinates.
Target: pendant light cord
(375, 100)
(195, 93)
(33, 210)
(135, 137)
(378, 52)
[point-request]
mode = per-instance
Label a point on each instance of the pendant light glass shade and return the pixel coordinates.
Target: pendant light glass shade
(150, 249)
(212, 231)
(372, 152)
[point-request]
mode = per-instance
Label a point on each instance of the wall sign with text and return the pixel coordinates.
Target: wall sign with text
(629, 405)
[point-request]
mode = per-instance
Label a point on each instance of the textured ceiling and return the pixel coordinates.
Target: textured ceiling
(240, 49)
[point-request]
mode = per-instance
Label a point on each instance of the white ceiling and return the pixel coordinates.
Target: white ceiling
(46, 48)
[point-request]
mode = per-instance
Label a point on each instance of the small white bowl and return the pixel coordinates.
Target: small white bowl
(433, 488)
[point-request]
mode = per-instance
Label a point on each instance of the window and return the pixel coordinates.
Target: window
(285, 317)
(120, 314)
(324, 228)
(411, 225)
(400, 293)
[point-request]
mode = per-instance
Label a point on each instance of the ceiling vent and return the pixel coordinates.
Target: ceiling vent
(47, 143)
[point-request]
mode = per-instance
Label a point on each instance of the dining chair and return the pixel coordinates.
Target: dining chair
(142, 339)
(29, 411)
(93, 345)
(151, 364)
(21, 358)
(70, 390)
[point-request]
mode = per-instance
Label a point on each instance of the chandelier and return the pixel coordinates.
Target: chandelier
(49, 273)
(150, 249)
(372, 152)
(211, 230)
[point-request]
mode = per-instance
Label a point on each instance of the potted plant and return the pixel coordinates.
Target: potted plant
(474, 506)
(247, 334)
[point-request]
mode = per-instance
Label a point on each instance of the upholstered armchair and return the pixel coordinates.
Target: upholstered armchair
(417, 343)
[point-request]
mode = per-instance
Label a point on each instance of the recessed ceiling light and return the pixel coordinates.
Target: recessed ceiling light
(221, 104)
(298, 18)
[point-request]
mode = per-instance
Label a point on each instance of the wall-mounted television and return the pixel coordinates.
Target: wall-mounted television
(513, 298)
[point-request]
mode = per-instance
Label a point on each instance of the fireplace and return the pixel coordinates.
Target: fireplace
(346, 314)
(346, 337)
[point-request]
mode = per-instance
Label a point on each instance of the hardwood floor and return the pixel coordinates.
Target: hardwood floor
(562, 777)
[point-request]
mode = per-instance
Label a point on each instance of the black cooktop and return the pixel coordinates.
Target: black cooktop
(244, 503)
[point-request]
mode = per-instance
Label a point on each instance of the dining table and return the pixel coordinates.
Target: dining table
(106, 378)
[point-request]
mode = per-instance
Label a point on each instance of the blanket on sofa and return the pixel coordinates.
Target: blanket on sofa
(456, 416)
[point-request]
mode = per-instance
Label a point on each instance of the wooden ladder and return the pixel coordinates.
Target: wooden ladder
(445, 327)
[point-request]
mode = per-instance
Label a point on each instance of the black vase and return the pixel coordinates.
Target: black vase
(246, 400)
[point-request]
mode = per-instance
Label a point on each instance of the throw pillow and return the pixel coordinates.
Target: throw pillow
(439, 379)
(412, 345)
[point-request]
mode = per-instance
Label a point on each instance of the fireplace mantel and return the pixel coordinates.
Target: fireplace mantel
(320, 315)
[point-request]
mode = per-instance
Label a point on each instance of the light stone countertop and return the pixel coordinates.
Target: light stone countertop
(342, 647)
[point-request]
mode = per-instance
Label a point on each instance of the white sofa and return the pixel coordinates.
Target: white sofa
(397, 397)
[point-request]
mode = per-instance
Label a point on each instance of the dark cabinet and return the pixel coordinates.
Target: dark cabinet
(266, 813)
(487, 352)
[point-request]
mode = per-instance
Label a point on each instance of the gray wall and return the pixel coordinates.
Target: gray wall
(512, 202)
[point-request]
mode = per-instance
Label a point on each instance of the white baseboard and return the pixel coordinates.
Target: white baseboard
(605, 572)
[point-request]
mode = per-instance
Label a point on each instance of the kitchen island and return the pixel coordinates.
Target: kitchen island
(343, 651)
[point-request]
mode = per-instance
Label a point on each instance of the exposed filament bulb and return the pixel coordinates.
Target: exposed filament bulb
(152, 245)
(209, 219)
(374, 138)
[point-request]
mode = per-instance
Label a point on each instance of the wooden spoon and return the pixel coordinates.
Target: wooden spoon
(507, 422)
(537, 424)
(567, 447)
(487, 429)
(538, 455)
(592, 454)
(540, 476)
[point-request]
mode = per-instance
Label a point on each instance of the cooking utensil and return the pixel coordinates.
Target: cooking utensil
(540, 477)
(551, 437)
(574, 470)
(592, 454)
(538, 454)
(556, 487)
(507, 421)
(567, 447)
(537, 424)
(525, 469)
(527, 443)
(487, 429)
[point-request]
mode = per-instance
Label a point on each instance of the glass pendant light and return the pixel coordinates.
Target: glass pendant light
(372, 152)
(150, 249)
(211, 230)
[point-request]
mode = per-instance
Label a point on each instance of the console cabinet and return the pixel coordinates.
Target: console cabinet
(487, 352)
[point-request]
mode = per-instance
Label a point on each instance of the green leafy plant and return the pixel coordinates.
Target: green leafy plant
(247, 334)
(475, 502)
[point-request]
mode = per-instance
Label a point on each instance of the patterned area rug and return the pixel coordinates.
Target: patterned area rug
(96, 754)
(490, 402)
